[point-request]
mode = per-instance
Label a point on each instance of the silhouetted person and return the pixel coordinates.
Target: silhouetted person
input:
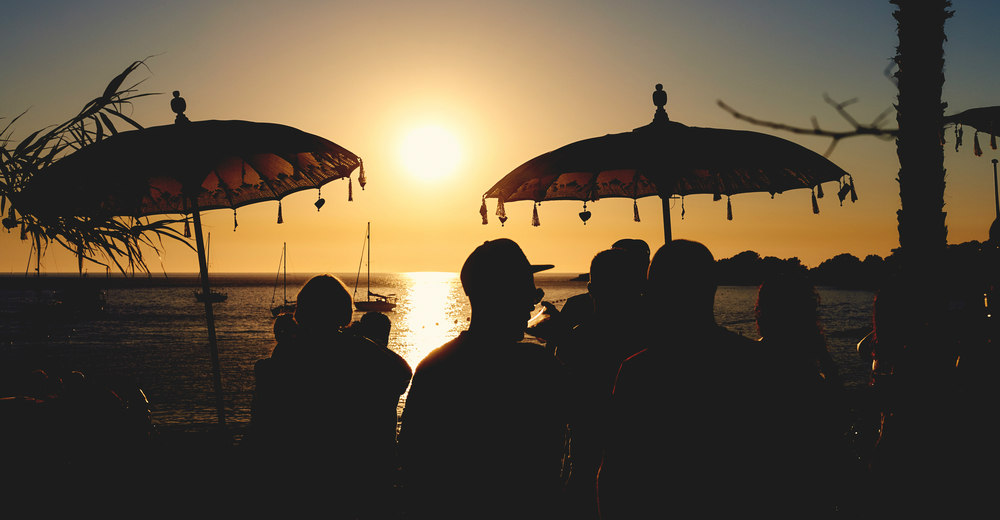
(686, 436)
(813, 463)
(483, 429)
(592, 353)
(579, 308)
(375, 326)
(324, 412)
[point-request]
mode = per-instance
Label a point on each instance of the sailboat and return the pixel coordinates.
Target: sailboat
(287, 306)
(380, 303)
(213, 295)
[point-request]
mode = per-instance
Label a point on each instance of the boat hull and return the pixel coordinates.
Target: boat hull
(374, 305)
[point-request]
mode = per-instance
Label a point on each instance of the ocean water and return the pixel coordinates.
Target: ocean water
(153, 331)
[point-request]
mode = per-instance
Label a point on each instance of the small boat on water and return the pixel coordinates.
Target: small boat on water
(373, 302)
(286, 306)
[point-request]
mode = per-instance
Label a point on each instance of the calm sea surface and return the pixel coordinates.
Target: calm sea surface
(155, 332)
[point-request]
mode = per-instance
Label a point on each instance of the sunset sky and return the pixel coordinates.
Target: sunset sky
(489, 85)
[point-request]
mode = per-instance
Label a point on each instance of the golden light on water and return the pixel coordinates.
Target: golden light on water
(431, 313)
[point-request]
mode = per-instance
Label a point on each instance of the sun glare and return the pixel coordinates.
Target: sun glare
(430, 152)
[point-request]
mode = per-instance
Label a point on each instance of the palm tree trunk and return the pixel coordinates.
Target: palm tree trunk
(920, 113)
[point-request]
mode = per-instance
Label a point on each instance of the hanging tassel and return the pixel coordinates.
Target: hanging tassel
(280, 220)
(483, 211)
(501, 212)
(187, 228)
(819, 191)
(362, 180)
(993, 141)
(350, 189)
(854, 194)
(729, 208)
(682, 208)
(24, 231)
(716, 197)
(635, 210)
(975, 145)
(958, 136)
(815, 204)
(534, 216)
(235, 224)
(842, 193)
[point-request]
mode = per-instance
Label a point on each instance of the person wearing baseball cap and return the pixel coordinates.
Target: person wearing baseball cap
(482, 432)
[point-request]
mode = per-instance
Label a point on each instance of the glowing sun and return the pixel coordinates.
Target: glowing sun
(430, 152)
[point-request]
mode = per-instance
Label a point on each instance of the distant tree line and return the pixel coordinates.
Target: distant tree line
(844, 270)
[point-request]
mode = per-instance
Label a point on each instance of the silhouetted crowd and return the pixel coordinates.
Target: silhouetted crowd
(632, 402)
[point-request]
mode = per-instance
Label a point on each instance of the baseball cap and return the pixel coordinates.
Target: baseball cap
(495, 264)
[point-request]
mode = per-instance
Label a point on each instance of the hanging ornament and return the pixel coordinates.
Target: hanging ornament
(584, 215)
(635, 210)
(235, 224)
(483, 211)
(729, 208)
(280, 220)
(975, 145)
(682, 208)
(815, 204)
(854, 194)
(319, 201)
(842, 193)
(958, 136)
(534, 216)
(716, 197)
(993, 141)
(187, 228)
(501, 212)
(24, 231)
(350, 190)
(819, 191)
(362, 180)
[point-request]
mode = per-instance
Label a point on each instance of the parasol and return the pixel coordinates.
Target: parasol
(666, 158)
(186, 168)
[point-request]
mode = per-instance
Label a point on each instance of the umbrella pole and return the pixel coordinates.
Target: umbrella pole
(666, 218)
(210, 317)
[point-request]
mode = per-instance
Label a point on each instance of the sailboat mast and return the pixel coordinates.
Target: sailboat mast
(284, 270)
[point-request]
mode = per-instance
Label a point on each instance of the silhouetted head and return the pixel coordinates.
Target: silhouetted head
(617, 278)
(375, 326)
(787, 305)
(682, 281)
(500, 284)
(323, 302)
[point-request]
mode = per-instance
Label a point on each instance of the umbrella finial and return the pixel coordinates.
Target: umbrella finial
(660, 100)
(178, 105)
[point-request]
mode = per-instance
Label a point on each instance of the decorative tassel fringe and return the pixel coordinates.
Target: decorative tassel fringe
(24, 231)
(717, 197)
(682, 208)
(362, 180)
(235, 224)
(975, 145)
(815, 204)
(729, 208)
(350, 189)
(483, 211)
(854, 194)
(635, 211)
(534, 216)
(187, 228)
(501, 212)
(958, 136)
(842, 193)
(280, 220)
(993, 141)
(819, 191)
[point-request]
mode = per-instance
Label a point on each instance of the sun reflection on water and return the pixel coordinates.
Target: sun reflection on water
(431, 312)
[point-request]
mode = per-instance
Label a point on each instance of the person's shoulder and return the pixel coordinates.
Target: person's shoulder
(441, 355)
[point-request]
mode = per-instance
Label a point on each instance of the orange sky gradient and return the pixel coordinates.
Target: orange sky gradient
(508, 81)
